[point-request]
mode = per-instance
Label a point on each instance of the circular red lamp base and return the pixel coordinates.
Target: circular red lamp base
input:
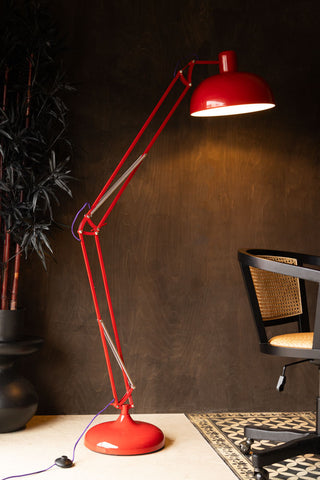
(124, 436)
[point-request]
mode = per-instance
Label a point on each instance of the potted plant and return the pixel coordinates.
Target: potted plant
(34, 148)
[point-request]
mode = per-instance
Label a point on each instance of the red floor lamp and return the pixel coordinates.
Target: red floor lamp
(227, 93)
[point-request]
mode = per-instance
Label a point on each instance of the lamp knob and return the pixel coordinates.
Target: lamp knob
(228, 61)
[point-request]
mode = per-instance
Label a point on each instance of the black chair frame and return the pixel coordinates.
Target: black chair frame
(296, 442)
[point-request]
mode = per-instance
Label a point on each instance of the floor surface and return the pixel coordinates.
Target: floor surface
(186, 454)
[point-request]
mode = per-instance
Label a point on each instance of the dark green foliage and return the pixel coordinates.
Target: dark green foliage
(34, 149)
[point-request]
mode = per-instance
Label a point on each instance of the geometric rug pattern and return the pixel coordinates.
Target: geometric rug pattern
(224, 432)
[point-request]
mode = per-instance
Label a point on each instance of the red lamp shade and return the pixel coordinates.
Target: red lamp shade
(230, 92)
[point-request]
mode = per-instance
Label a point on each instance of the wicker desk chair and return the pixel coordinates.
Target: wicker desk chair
(275, 283)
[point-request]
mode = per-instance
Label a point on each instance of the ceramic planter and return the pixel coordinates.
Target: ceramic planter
(18, 398)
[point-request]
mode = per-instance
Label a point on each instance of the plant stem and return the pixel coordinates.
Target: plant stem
(29, 92)
(4, 98)
(4, 104)
(14, 292)
(6, 254)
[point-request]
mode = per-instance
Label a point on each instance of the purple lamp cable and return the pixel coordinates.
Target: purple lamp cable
(75, 219)
(84, 431)
(73, 453)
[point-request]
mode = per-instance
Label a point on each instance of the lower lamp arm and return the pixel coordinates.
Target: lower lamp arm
(89, 228)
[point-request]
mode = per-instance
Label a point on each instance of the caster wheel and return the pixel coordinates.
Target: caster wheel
(245, 446)
(261, 474)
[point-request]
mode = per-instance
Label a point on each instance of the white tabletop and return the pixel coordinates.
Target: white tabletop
(186, 454)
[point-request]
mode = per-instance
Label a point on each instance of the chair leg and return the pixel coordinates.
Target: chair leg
(252, 432)
(308, 444)
(297, 442)
(264, 433)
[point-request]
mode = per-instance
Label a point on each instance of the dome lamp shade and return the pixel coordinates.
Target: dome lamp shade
(230, 92)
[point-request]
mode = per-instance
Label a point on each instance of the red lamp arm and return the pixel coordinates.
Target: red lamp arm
(88, 228)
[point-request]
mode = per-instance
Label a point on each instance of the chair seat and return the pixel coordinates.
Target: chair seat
(293, 340)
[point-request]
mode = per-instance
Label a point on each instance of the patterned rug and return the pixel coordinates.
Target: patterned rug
(224, 432)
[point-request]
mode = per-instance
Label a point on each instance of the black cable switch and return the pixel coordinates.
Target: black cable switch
(63, 462)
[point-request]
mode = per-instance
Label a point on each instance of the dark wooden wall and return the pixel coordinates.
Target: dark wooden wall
(207, 188)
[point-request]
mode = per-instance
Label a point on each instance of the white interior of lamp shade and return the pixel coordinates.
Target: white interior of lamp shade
(233, 110)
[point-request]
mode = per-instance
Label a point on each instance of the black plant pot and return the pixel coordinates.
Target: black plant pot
(11, 325)
(18, 398)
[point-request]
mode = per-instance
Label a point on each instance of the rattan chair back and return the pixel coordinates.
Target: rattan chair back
(278, 295)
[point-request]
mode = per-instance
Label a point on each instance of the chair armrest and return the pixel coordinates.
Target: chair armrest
(251, 258)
